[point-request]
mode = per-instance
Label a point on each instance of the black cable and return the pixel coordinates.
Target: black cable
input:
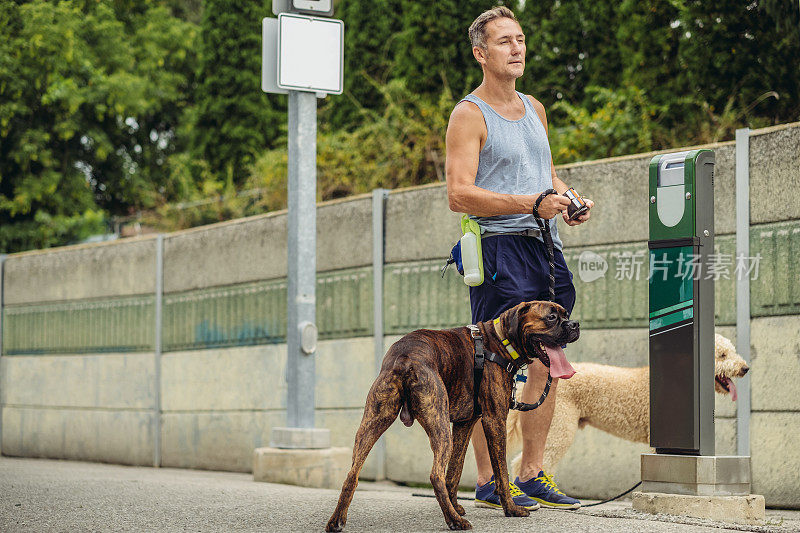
(419, 494)
(614, 498)
(467, 498)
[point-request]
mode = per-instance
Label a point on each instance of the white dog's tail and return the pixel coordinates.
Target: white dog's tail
(514, 440)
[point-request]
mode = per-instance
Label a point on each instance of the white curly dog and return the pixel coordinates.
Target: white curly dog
(613, 399)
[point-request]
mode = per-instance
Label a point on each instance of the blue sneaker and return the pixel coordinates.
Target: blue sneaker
(485, 496)
(544, 490)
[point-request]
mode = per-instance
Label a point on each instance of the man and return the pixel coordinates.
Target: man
(498, 164)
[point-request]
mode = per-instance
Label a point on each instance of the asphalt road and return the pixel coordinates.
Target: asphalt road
(47, 495)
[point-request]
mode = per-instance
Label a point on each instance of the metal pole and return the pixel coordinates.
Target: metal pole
(743, 287)
(378, 242)
(159, 294)
(302, 249)
(2, 309)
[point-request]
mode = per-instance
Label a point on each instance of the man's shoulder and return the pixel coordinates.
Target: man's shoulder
(536, 103)
(466, 109)
(466, 114)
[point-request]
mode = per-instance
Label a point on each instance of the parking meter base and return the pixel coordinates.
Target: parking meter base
(716, 487)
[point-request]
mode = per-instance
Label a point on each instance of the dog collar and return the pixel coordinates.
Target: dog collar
(510, 349)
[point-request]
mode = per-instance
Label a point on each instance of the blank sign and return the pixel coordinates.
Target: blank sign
(310, 53)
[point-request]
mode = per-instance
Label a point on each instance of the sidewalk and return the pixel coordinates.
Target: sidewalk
(46, 495)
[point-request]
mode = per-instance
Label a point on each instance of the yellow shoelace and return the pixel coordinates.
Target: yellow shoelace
(515, 490)
(512, 488)
(548, 481)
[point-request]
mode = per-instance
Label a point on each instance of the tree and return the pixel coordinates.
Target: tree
(87, 112)
(433, 47)
(370, 46)
(235, 119)
(571, 45)
(740, 53)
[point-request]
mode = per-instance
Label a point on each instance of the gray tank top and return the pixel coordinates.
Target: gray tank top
(514, 160)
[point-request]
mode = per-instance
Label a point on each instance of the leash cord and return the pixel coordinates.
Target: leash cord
(467, 498)
(522, 406)
(614, 498)
(421, 495)
(544, 228)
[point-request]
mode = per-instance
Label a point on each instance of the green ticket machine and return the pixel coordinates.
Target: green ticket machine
(685, 476)
(681, 303)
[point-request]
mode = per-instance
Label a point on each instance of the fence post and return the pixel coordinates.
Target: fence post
(159, 291)
(2, 347)
(378, 243)
(743, 286)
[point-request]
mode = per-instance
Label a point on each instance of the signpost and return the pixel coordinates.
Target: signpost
(302, 56)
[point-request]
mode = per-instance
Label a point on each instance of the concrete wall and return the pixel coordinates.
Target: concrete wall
(78, 370)
(87, 407)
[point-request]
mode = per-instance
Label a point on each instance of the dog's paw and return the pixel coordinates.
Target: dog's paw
(459, 525)
(459, 508)
(517, 510)
(334, 525)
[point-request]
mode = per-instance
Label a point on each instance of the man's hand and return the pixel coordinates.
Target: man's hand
(581, 219)
(552, 205)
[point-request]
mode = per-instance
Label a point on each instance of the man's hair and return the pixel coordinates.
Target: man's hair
(477, 30)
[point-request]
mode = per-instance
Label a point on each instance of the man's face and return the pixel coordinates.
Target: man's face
(505, 49)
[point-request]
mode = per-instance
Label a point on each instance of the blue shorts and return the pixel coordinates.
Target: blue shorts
(515, 269)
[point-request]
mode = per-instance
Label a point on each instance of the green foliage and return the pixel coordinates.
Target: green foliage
(571, 45)
(88, 103)
(435, 46)
(235, 120)
(617, 123)
(735, 52)
(401, 146)
(370, 47)
(648, 40)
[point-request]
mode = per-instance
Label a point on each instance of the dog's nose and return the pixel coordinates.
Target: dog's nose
(745, 370)
(572, 325)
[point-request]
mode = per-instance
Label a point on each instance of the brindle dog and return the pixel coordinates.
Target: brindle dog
(429, 375)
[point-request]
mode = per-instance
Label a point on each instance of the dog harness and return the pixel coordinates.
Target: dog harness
(513, 367)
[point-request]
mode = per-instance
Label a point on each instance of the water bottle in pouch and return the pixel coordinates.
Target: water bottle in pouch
(471, 256)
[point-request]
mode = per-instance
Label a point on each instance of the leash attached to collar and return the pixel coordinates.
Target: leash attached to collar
(544, 228)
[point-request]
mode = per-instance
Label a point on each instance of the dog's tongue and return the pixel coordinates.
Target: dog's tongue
(559, 366)
(732, 388)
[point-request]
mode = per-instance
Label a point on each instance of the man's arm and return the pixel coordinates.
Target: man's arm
(559, 185)
(465, 133)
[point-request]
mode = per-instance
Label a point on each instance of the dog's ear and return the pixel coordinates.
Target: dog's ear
(515, 320)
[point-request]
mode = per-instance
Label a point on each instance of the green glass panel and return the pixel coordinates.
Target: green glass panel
(671, 278)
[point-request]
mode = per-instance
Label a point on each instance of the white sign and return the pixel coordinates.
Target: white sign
(269, 56)
(310, 53)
